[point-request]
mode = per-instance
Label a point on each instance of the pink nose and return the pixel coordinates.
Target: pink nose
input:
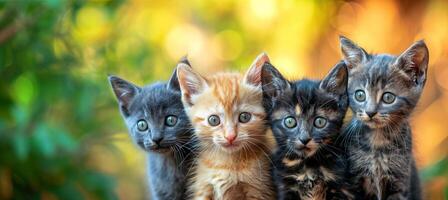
(230, 137)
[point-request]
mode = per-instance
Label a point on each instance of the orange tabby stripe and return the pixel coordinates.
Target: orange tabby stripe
(226, 90)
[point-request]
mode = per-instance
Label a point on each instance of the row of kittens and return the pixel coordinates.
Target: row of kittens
(260, 136)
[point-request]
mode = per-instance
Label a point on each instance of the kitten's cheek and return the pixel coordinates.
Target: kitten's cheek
(215, 140)
(147, 143)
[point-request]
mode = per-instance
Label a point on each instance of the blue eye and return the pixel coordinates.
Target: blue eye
(142, 125)
(388, 98)
(244, 117)
(214, 120)
(171, 120)
(360, 95)
(290, 122)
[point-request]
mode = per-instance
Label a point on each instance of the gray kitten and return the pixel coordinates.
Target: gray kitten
(383, 90)
(157, 123)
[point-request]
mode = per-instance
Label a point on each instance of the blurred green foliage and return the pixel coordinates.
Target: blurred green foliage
(438, 170)
(47, 113)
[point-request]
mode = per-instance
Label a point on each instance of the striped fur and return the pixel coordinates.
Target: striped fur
(379, 139)
(239, 171)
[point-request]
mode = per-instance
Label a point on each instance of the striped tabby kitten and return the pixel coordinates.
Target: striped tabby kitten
(306, 117)
(383, 90)
(227, 113)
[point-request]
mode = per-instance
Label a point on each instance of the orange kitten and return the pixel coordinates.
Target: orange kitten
(227, 113)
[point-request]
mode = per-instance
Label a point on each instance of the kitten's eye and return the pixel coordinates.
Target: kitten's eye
(388, 98)
(320, 122)
(142, 125)
(245, 117)
(360, 95)
(170, 120)
(213, 120)
(290, 122)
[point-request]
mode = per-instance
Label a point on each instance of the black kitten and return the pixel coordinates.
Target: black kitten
(157, 123)
(306, 117)
(383, 90)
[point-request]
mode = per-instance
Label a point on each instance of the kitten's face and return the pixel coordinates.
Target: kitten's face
(306, 115)
(225, 109)
(384, 89)
(153, 114)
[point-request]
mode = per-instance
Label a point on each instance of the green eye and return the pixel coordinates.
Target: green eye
(290, 122)
(388, 98)
(320, 122)
(360, 95)
(170, 120)
(213, 120)
(245, 117)
(142, 125)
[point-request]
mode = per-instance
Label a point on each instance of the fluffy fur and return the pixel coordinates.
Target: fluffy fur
(381, 159)
(233, 161)
(167, 147)
(308, 164)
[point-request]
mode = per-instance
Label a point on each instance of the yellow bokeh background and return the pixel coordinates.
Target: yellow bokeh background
(141, 41)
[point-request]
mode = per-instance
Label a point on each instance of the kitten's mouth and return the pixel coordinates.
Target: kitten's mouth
(158, 149)
(161, 150)
(305, 150)
(230, 146)
(374, 123)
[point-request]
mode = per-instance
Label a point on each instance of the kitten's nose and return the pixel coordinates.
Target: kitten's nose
(157, 140)
(230, 137)
(371, 114)
(305, 140)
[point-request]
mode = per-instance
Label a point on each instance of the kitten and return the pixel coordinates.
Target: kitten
(383, 91)
(158, 124)
(228, 116)
(306, 117)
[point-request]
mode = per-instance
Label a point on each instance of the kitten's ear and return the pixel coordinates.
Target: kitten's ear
(190, 82)
(273, 82)
(414, 61)
(124, 92)
(336, 81)
(185, 60)
(353, 54)
(173, 83)
(253, 75)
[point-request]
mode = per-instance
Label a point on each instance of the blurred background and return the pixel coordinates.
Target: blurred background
(61, 134)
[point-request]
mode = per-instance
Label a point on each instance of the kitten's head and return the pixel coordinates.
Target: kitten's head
(384, 89)
(225, 109)
(306, 115)
(153, 114)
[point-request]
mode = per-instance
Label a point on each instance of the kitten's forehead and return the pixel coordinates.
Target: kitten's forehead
(309, 95)
(379, 71)
(307, 100)
(231, 92)
(374, 70)
(155, 100)
(226, 89)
